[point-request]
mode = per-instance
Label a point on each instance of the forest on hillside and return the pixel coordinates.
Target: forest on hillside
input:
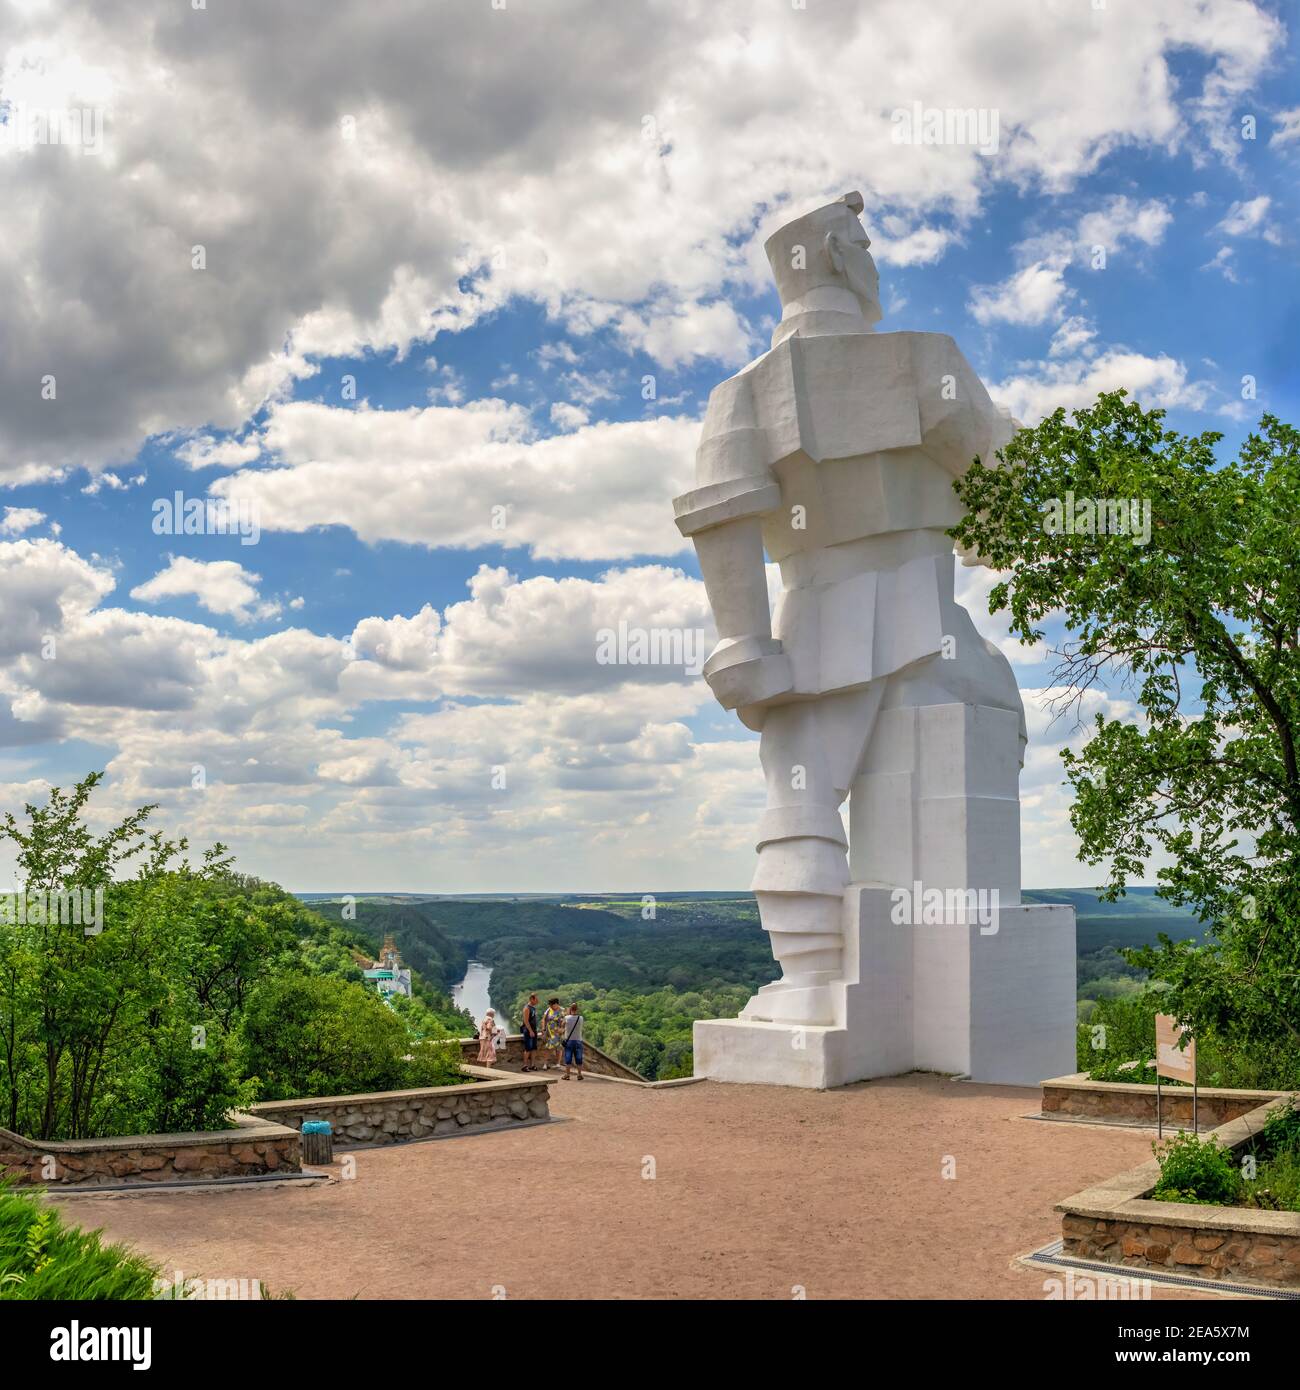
(645, 967)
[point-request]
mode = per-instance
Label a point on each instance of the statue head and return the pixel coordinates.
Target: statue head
(822, 253)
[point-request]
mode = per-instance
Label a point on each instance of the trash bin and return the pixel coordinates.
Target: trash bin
(317, 1141)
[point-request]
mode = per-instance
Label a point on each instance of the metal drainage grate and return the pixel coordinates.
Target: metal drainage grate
(1051, 1255)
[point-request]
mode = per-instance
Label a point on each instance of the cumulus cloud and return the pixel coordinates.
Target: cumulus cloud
(1038, 293)
(203, 451)
(220, 586)
(1072, 335)
(508, 678)
(197, 265)
(16, 520)
(1249, 217)
(1071, 382)
(1030, 296)
(473, 476)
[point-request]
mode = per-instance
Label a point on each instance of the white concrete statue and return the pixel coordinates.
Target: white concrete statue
(835, 453)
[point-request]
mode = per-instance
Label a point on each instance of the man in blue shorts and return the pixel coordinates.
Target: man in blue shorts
(573, 1041)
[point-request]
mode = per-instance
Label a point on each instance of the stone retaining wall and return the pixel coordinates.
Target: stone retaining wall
(255, 1146)
(1135, 1103)
(388, 1117)
(1267, 1256)
(1115, 1222)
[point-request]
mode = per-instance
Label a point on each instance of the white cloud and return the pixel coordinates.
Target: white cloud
(598, 758)
(1037, 293)
(1288, 127)
(363, 186)
(568, 416)
(676, 336)
(1031, 296)
(1153, 381)
(904, 246)
(1122, 219)
(1072, 335)
(16, 520)
(203, 451)
(473, 476)
(1222, 261)
(1250, 218)
(220, 586)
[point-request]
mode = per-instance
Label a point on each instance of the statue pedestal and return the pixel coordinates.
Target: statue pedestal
(994, 1000)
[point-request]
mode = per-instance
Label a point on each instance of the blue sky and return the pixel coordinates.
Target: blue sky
(350, 691)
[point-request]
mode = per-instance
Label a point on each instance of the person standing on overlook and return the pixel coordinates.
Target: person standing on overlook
(573, 1041)
(552, 1033)
(529, 1031)
(487, 1047)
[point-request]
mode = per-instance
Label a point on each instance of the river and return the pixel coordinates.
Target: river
(472, 993)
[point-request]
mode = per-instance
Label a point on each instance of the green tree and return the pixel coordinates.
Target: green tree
(1202, 626)
(69, 996)
(311, 1036)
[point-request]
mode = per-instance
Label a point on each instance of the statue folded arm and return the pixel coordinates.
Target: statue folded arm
(723, 517)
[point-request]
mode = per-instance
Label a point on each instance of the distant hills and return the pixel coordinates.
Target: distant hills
(1135, 920)
(438, 931)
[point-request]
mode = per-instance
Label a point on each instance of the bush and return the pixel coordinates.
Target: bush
(307, 1035)
(1281, 1131)
(434, 1064)
(185, 1080)
(1118, 1030)
(42, 1258)
(1193, 1169)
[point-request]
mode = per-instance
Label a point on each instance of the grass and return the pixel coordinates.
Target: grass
(42, 1257)
(1276, 1185)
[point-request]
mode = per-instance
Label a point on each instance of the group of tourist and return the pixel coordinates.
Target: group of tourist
(555, 1033)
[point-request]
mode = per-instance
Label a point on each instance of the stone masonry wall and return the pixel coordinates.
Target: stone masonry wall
(391, 1116)
(1135, 1103)
(254, 1148)
(1117, 1222)
(1273, 1257)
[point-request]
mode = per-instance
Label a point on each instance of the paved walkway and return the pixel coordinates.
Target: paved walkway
(755, 1191)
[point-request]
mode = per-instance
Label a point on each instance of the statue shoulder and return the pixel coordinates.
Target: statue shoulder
(732, 404)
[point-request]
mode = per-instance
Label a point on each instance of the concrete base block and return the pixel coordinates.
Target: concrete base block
(991, 997)
(766, 1054)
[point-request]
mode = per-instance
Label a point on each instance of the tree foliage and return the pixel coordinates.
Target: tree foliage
(1201, 626)
(144, 1024)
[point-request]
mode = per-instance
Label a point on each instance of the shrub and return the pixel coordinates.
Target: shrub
(1125, 1027)
(1193, 1169)
(434, 1064)
(307, 1035)
(1281, 1131)
(184, 1081)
